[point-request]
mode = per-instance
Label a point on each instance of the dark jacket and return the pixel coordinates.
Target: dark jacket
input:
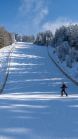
(63, 86)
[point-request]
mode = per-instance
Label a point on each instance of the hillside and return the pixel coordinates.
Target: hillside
(71, 71)
(30, 105)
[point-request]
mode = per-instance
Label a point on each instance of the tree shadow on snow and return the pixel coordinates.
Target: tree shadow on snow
(30, 105)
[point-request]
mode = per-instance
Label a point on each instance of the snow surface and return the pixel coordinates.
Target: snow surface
(30, 105)
(72, 72)
(4, 61)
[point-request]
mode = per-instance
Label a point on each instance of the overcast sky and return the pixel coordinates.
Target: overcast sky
(31, 16)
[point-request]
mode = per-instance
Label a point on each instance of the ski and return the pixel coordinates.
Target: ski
(64, 96)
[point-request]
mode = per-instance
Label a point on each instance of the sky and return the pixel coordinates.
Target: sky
(33, 16)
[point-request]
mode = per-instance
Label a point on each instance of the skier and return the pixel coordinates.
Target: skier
(63, 89)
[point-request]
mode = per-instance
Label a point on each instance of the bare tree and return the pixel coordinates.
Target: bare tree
(6, 38)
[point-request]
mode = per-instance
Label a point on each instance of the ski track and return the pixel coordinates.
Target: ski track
(30, 105)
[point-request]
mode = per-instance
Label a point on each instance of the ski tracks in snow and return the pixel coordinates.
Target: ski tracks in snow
(30, 105)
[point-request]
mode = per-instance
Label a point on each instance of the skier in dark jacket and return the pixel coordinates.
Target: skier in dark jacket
(63, 89)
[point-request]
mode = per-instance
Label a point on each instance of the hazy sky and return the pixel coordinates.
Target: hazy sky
(32, 16)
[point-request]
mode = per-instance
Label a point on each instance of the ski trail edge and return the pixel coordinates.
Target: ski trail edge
(1, 90)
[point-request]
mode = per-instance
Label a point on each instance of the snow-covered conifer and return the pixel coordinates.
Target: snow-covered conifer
(69, 62)
(44, 38)
(18, 37)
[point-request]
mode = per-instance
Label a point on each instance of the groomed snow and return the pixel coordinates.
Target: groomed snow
(30, 105)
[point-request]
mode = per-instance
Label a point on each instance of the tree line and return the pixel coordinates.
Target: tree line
(64, 42)
(44, 38)
(24, 38)
(64, 33)
(6, 38)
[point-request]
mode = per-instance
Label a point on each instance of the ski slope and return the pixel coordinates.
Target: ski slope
(30, 105)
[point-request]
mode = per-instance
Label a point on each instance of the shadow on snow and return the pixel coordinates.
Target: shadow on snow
(31, 106)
